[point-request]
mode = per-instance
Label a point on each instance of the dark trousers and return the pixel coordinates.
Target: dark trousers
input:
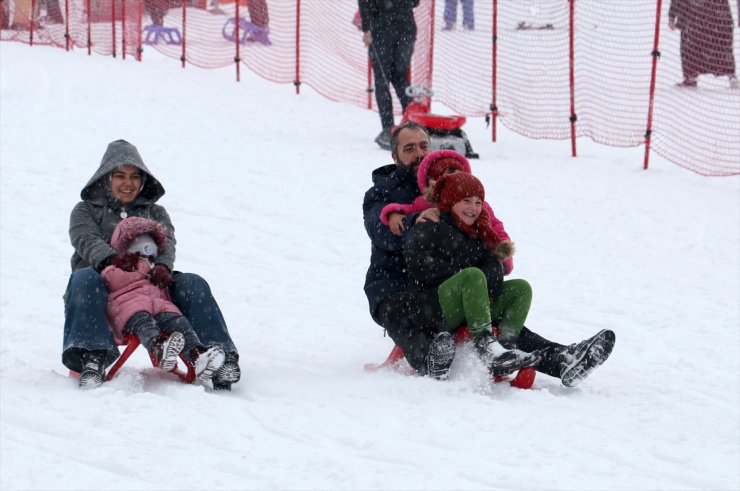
(148, 327)
(390, 54)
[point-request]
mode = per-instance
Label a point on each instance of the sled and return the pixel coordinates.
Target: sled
(248, 32)
(445, 132)
(169, 35)
(132, 342)
(524, 378)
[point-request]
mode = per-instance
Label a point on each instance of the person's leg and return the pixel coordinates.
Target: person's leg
(192, 295)
(381, 60)
(464, 299)
(170, 322)
(85, 325)
(414, 340)
(468, 13)
(510, 309)
(450, 14)
(400, 63)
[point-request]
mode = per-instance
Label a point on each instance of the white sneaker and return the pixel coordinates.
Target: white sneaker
(208, 363)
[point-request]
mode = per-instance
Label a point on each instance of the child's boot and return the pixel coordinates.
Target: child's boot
(166, 351)
(207, 361)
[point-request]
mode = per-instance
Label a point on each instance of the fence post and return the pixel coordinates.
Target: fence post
(123, 29)
(494, 67)
(237, 58)
(183, 56)
(573, 117)
(139, 22)
(113, 25)
(89, 27)
(32, 22)
(66, 25)
(297, 80)
(655, 54)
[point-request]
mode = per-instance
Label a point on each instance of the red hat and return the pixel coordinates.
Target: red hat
(453, 188)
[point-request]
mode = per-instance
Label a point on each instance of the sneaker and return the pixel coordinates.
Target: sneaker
(733, 82)
(93, 370)
(501, 361)
(166, 351)
(384, 139)
(687, 84)
(440, 356)
(207, 361)
(228, 374)
(580, 359)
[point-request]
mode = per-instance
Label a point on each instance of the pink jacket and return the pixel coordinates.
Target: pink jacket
(420, 204)
(132, 292)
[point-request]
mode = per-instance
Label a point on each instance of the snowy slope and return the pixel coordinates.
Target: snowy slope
(265, 189)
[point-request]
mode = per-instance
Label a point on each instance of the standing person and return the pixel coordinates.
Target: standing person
(139, 307)
(450, 15)
(123, 186)
(387, 283)
(451, 265)
(389, 33)
(706, 39)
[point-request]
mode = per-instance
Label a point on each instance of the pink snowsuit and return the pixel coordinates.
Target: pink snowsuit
(420, 203)
(132, 292)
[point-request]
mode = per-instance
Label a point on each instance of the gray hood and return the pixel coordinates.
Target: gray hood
(118, 153)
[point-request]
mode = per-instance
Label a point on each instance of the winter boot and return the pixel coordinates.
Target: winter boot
(580, 359)
(166, 351)
(93, 369)
(228, 374)
(207, 361)
(501, 361)
(384, 139)
(440, 356)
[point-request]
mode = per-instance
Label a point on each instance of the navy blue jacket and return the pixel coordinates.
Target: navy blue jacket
(387, 275)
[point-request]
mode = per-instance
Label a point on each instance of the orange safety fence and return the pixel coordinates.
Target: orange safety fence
(653, 73)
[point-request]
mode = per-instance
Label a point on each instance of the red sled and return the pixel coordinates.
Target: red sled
(131, 342)
(445, 132)
(524, 378)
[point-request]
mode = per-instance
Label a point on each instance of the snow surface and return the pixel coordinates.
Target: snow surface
(265, 189)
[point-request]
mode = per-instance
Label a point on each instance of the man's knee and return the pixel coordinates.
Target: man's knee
(83, 284)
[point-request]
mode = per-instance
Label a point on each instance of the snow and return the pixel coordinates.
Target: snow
(265, 189)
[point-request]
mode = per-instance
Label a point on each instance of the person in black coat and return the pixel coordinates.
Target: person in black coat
(389, 32)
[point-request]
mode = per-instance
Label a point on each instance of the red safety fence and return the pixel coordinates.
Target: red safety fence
(556, 69)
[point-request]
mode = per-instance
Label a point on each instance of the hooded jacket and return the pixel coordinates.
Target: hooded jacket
(391, 15)
(94, 219)
(130, 292)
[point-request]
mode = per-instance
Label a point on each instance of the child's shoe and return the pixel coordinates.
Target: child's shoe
(207, 361)
(166, 351)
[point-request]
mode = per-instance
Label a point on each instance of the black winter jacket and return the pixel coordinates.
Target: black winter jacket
(388, 15)
(387, 274)
(436, 251)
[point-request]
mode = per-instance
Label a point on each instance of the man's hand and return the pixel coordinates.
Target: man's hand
(396, 224)
(367, 38)
(431, 214)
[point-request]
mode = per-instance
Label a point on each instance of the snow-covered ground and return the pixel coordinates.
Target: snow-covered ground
(265, 189)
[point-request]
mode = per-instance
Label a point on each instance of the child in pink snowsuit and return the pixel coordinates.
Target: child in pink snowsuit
(435, 165)
(138, 306)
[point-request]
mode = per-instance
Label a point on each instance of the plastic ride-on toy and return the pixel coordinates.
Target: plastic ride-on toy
(524, 378)
(445, 132)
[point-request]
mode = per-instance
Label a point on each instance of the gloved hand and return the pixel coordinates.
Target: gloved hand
(126, 261)
(160, 276)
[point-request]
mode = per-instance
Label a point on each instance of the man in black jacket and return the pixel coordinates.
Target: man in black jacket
(389, 32)
(396, 309)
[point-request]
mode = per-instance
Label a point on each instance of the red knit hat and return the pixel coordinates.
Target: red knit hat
(451, 158)
(453, 188)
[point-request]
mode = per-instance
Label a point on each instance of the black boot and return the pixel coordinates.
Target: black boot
(580, 359)
(440, 356)
(93, 369)
(228, 374)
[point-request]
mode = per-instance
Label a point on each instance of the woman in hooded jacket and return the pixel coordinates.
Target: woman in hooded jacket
(123, 186)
